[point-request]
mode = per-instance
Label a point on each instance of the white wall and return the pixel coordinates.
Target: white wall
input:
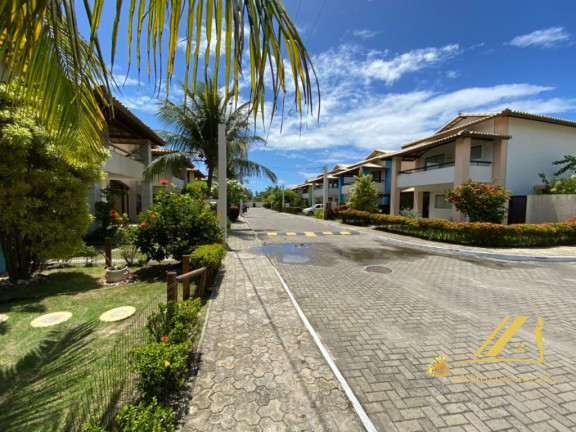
(550, 208)
(532, 149)
(438, 212)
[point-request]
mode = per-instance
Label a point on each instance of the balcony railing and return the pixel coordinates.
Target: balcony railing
(443, 165)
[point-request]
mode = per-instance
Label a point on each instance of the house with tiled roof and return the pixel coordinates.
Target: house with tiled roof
(507, 147)
(133, 146)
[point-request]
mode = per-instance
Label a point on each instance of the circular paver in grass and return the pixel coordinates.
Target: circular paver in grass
(51, 319)
(117, 314)
(3, 318)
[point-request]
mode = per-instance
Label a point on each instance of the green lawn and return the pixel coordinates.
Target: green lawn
(44, 370)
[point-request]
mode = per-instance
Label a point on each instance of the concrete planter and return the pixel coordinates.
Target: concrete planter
(113, 275)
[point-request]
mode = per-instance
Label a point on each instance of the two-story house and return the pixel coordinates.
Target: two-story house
(507, 147)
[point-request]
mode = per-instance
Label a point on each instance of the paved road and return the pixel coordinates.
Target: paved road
(384, 328)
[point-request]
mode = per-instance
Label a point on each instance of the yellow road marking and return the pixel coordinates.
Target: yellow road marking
(344, 233)
(309, 234)
(290, 234)
(327, 233)
(271, 234)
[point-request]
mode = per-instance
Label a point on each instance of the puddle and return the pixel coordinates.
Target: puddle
(290, 253)
(371, 255)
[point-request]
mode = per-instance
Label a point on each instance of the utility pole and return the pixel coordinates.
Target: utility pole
(325, 197)
(222, 205)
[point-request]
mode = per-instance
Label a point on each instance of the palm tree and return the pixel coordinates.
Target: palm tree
(41, 47)
(193, 132)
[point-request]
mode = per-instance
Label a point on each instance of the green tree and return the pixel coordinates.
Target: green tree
(557, 185)
(44, 196)
(42, 47)
(198, 190)
(481, 202)
(364, 194)
(565, 186)
(193, 131)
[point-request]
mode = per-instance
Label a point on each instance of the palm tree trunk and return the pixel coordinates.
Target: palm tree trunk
(209, 180)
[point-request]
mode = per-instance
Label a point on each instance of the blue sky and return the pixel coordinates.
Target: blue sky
(391, 71)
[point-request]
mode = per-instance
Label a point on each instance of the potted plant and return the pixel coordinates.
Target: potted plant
(117, 273)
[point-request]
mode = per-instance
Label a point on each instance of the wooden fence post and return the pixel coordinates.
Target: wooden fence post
(202, 284)
(108, 251)
(172, 287)
(185, 282)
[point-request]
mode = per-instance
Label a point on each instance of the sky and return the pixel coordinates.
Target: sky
(391, 71)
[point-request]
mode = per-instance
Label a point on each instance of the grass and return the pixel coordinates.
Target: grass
(44, 370)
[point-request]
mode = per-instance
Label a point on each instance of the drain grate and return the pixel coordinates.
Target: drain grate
(377, 269)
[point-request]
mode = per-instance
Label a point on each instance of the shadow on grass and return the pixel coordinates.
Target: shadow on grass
(55, 284)
(30, 391)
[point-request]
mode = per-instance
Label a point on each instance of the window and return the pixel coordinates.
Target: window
(432, 161)
(476, 153)
(441, 203)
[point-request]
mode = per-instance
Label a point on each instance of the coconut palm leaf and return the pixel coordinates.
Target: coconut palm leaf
(41, 47)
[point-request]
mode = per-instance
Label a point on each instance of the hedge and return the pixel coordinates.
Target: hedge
(294, 210)
(355, 217)
(480, 233)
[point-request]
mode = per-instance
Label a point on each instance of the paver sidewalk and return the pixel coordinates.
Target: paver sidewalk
(261, 369)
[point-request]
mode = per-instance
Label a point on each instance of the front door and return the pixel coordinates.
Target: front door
(425, 204)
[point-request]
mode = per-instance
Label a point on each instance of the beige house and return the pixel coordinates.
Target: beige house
(507, 147)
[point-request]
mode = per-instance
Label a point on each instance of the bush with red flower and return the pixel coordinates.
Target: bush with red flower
(174, 225)
(481, 202)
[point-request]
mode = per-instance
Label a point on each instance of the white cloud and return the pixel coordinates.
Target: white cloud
(387, 121)
(353, 61)
(541, 38)
(126, 81)
(365, 34)
(140, 103)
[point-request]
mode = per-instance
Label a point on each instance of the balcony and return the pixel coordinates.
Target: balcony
(120, 166)
(480, 171)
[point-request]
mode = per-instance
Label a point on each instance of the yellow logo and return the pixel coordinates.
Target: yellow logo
(439, 366)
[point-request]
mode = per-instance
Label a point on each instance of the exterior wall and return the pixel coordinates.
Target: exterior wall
(441, 213)
(532, 149)
(550, 208)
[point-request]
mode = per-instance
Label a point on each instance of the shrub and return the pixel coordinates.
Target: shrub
(151, 417)
(233, 213)
(162, 367)
(481, 202)
(211, 257)
(128, 246)
(174, 225)
(198, 190)
(480, 233)
(90, 253)
(319, 214)
(363, 196)
(294, 210)
(355, 217)
(175, 322)
(42, 191)
(409, 213)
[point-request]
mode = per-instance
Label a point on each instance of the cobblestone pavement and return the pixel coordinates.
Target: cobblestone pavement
(384, 329)
(260, 369)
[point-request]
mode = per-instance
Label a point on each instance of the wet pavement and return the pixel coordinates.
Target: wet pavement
(384, 329)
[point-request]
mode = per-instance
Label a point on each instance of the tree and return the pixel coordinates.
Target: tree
(364, 194)
(44, 196)
(481, 202)
(193, 131)
(42, 47)
(557, 185)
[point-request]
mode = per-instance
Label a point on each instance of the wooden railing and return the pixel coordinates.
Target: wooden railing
(173, 280)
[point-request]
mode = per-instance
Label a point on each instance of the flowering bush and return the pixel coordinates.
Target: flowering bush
(161, 367)
(175, 322)
(481, 202)
(174, 225)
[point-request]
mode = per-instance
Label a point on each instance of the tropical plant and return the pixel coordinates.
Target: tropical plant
(557, 185)
(481, 202)
(42, 48)
(174, 225)
(44, 196)
(364, 194)
(192, 130)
